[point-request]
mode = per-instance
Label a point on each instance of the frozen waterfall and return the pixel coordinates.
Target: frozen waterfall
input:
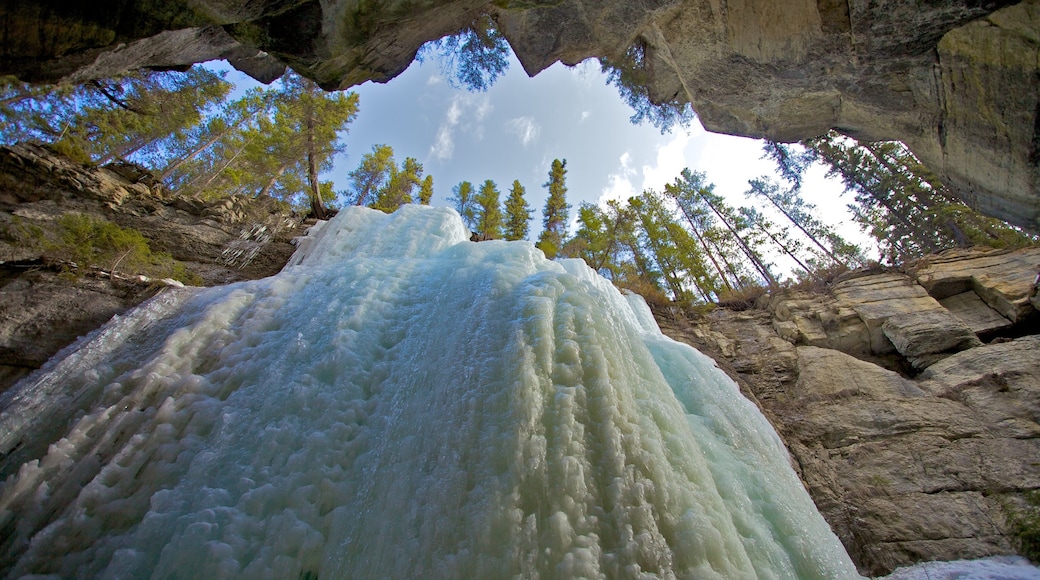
(399, 403)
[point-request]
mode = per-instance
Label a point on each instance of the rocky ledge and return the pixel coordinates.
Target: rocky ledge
(46, 302)
(909, 400)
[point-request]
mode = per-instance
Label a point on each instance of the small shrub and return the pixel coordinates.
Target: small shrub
(92, 242)
(743, 299)
(1024, 525)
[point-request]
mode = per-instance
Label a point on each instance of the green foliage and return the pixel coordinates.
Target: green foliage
(903, 205)
(426, 190)
(464, 202)
(19, 232)
(399, 185)
(828, 245)
(631, 74)
(371, 175)
(380, 183)
(1024, 525)
(138, 115)
(518, 213)
(87, 242)
(489, 211)
(473, 58)
(554, 216)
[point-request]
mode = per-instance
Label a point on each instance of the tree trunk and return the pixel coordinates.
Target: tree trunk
(751, 254)
(700, 240)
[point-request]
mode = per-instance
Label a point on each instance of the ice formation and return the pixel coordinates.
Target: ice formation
(399, 403)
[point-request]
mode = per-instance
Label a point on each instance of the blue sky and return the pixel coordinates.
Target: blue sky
(516, 128)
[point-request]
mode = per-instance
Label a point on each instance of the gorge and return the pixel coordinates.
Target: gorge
(262, 435)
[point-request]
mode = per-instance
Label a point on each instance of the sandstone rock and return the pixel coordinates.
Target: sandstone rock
(975, 314)
(920, 336)
(904, 469)
(1003, 279)
(825, 373)
(819, 321)
(878, 297)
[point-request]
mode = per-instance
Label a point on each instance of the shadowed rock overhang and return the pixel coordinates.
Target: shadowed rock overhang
(955, 80)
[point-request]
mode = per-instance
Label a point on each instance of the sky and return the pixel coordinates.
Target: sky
(515, 129)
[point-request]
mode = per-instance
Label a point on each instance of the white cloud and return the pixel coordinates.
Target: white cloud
(444, 143)
(483, 108)
(671, 159)
(619, 185)
(525, 128)
(585, 115)
(454, 113)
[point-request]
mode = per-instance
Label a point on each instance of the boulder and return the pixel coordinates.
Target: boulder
(923, 337)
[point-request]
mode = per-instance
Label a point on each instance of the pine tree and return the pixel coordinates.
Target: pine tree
(426, 190)
(371, 175)
(475, 57)
(518, 213)
(236, 116)
(690, 190)
(489, 211)
(398, 188)
(902, 204)
(133, 117)
(671, 247)
(800, 213)
(464, 202)
(555, 214)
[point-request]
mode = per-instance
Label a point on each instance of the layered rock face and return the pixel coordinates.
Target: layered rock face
(44, 307)
(910, 401)
(955, 80)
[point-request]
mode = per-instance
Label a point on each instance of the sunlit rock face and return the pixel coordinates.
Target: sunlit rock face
(955, 80)
(399, 403)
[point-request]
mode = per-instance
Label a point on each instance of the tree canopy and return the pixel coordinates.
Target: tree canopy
(554, 220)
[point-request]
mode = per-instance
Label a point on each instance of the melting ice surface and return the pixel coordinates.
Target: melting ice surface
(400, 403)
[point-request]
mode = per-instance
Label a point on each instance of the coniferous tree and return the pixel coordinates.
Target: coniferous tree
(371, 175)
(474, 57)
(234, 117)
(317, 117)
(464, 202)
(398, 188)
(778, 236)
(489, 211)
(518, 213)
(902, 204)
(555, 216)
(798, 212)
(132, 117)
(690, 191)
(426, 190)
(671, 247)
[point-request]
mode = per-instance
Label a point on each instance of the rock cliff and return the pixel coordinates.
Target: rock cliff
(955, 80)
(46, 303)
(910, 401)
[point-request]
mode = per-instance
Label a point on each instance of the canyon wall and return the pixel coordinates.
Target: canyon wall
(46, 303)
(909, 400)
(955, 80)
